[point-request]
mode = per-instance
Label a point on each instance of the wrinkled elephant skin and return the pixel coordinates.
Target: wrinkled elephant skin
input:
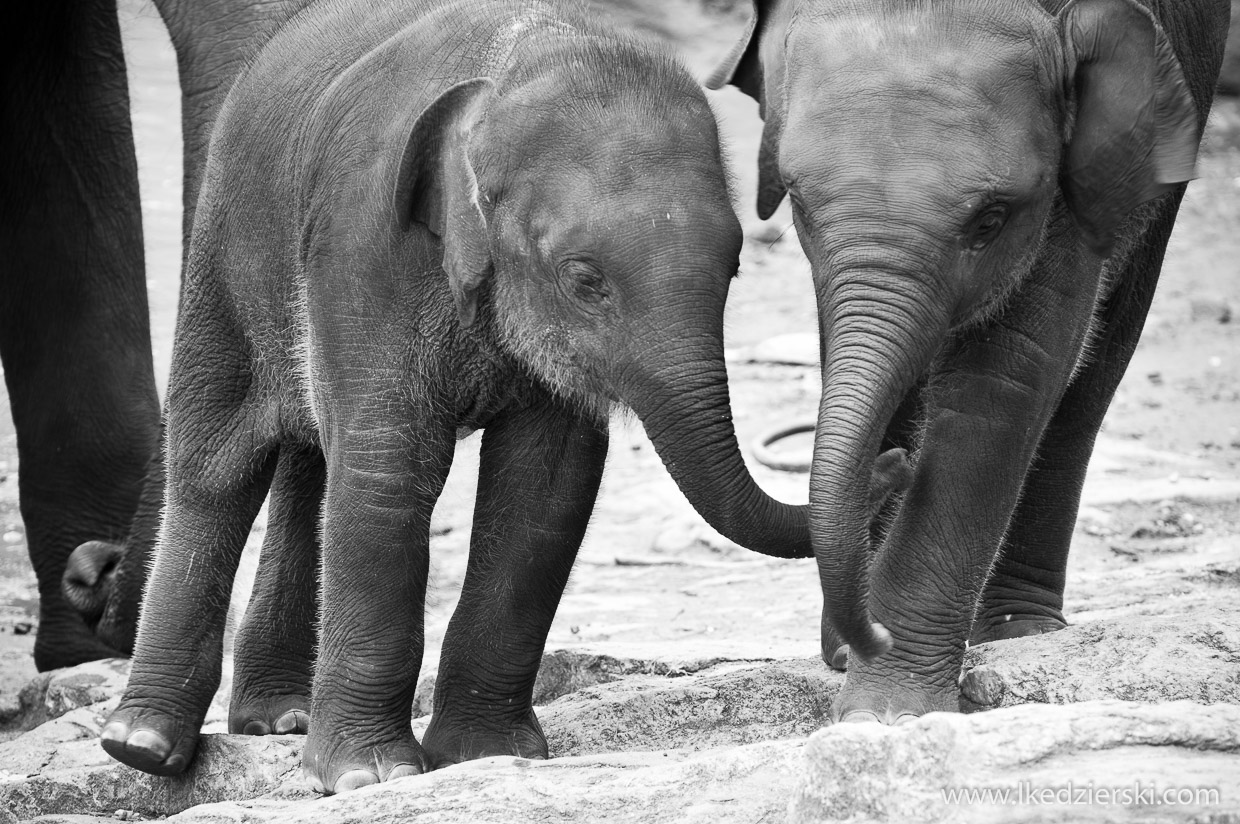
(984, 190)
(436, 218)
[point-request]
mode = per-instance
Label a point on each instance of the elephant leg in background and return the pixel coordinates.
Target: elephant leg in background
(220, 467)
(74, 328)
(273, 654)
(383, 478)
(540, 472)
(104, 580)
(1024, 595)
(213, 39)
(986, 408)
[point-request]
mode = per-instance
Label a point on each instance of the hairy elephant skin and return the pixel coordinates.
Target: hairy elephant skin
(74, 328)
(984, 190)
(436, 218)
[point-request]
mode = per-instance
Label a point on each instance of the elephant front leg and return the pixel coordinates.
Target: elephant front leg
(986, 409)
(383, 478)
(539, 476)
(274, 649)
(1024, 595)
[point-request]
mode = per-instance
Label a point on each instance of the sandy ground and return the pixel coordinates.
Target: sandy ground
(651, 580)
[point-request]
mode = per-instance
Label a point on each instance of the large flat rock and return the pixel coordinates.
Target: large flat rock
(751, 783)
(1137, 658)
(1098, 761)
(78, 777)
(632, 730)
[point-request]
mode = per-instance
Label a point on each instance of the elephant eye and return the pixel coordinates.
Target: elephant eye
(986, 226)
(584, 281)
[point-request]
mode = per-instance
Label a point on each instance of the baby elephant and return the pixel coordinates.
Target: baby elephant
(417, 220)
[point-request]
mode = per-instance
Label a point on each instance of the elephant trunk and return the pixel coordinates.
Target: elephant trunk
(685, 408)
(880, 334)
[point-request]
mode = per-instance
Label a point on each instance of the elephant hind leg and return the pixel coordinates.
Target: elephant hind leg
(274, 649)
(538, 479)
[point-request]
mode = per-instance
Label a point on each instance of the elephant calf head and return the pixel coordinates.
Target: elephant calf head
(594, 213)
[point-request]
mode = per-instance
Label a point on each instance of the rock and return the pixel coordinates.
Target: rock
(28, 754)
(743, 784)
(917, 772)
(52, 694)
(725, 706)
(79, 777)
(1137, 658)
(564, 671)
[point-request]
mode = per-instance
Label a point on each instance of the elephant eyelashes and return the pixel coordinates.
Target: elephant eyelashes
(986, 226)
(585, 282)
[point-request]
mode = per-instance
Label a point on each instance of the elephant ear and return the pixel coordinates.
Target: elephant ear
(743, 67)
(436, 187)
(1136, 130)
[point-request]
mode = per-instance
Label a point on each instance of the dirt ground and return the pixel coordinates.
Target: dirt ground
(651, 579)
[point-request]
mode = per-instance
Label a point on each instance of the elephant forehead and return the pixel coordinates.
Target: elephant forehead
(629, 228)
(934, 49)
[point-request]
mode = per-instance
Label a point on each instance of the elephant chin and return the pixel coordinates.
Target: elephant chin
(687, 413)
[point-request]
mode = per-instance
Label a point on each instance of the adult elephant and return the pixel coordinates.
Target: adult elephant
(984, 189)
(74, 330)
(74, 325)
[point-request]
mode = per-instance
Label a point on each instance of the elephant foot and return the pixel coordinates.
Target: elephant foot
(892, 705)
(336, 763)
(252, 714)
(147, 740)
(1003, 627)
(453, 740)
(896, 692)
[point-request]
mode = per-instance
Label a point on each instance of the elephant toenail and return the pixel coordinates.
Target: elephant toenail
(860, 717)
(292, 722)
(149, 743)
(115, 732)
(355, 780)
(403, 771)
(256, 728)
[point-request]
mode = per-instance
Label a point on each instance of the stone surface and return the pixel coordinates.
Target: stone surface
(52, 694)
(78, 777)
(746, 784)
(1139, 658)
(1047, 759)
(725, 706)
